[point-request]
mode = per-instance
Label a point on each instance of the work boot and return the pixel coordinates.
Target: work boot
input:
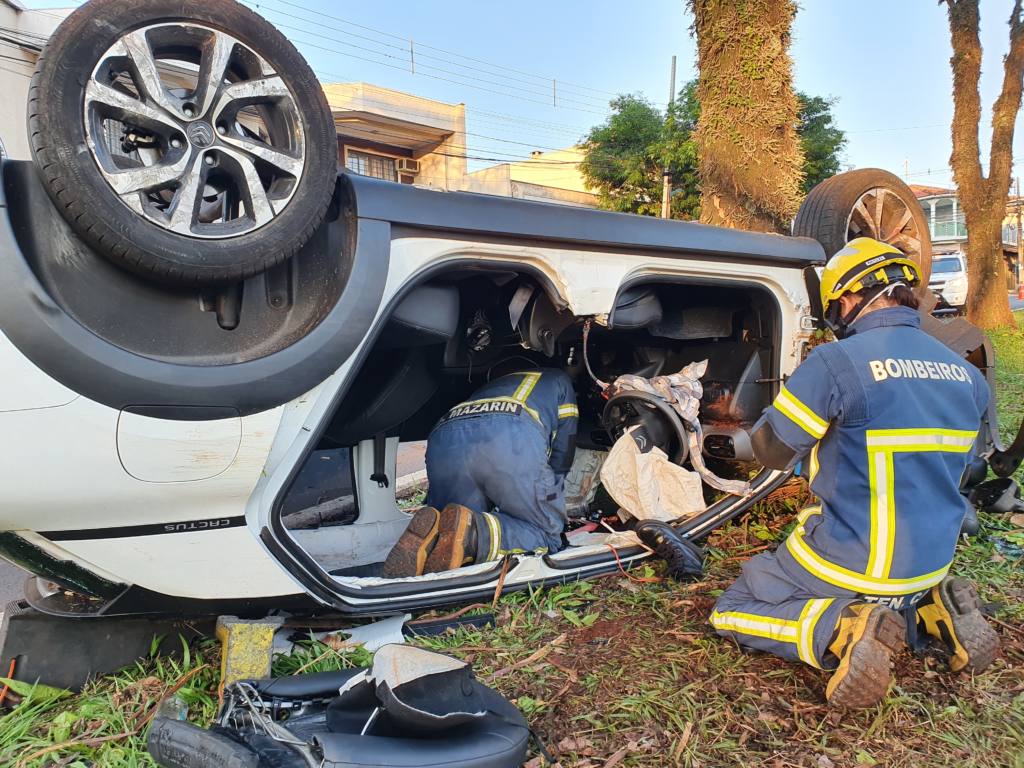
(409, 556)
(951, 612)
(456, 542)
(866, 637)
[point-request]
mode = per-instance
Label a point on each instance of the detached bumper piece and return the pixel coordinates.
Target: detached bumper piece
(412, 708)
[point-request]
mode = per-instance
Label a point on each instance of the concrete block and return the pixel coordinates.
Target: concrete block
(246, 647)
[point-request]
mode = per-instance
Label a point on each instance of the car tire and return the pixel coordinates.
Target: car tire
(259, 180)
(834, 213)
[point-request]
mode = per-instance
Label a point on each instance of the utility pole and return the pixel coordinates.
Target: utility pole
(666, 187)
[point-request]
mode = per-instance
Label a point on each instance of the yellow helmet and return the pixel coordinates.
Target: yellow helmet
(865, 263)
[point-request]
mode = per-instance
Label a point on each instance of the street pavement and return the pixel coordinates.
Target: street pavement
(12, 579)
(1015, 303)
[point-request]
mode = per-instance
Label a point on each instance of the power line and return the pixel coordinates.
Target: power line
(444, 79)
(407, 50)
(899, 128)
(392, 35)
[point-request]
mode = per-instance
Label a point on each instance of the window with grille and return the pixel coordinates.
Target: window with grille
(365, 164)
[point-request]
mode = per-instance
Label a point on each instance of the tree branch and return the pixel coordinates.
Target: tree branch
(966, 65)
(1004, 112)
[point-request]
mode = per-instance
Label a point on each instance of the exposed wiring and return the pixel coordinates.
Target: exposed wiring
(586, 358)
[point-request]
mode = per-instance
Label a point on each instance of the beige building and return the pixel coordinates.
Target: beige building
(383, 133)
(22, 35)
(397, 136)
(550, 177)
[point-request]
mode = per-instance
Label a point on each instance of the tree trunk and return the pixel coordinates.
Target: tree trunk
(750, 156)
(982, 198)
(987, 302)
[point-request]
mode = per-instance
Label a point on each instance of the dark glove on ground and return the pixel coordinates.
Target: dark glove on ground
(685, 560)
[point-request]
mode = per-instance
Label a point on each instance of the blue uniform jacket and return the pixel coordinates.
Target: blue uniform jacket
(544, 397)
(886, 420)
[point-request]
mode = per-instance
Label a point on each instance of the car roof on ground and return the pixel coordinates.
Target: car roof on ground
(491, 216)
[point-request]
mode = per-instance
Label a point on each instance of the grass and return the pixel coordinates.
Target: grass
(617, 673)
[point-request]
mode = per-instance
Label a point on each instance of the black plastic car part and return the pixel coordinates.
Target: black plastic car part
(177, 744)
(350, 731)
(124, 341)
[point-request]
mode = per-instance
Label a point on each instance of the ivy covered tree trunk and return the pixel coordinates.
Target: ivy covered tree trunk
(750, 157)
(982, 198)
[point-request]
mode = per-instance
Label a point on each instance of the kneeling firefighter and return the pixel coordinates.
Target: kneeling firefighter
(496, 465)
(885, 420)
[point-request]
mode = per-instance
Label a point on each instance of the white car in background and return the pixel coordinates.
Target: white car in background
(949, 282)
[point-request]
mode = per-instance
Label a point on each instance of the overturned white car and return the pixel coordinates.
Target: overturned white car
(213, 343)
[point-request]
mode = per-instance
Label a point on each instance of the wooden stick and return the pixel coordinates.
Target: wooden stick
(501, 584)
(533, 657)
(1004, 625)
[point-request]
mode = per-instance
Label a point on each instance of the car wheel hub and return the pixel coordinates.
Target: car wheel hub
(222, 149)
(200, 134)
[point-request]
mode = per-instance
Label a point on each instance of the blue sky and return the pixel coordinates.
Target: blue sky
(886, 61)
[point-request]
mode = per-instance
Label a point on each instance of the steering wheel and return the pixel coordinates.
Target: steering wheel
(659, 420)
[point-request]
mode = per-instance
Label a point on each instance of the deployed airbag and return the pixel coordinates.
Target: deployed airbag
(647, 486)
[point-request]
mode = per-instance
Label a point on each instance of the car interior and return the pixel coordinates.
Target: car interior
(444, 339)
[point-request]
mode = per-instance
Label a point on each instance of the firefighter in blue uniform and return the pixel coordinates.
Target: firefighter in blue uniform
(884, 420)
(496, 466)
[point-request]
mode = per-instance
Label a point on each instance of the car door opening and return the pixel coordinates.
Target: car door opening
(449, 335)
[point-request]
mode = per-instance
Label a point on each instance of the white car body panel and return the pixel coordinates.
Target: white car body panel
(117, 470)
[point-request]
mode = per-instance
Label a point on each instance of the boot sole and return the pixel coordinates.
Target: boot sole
(972, 631)
(868, 667)
(409, 555)
(449, 551)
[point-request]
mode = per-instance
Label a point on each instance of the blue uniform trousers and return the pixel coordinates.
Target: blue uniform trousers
(773, 610)
(777, 606)
(497, 466)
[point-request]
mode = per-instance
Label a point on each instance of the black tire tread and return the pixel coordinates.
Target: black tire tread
(78, 211)
(824, 213)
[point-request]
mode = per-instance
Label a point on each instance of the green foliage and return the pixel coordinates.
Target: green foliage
(822, 141)
(106, 724)
(626, 155)
(313, 656)
(39, 692)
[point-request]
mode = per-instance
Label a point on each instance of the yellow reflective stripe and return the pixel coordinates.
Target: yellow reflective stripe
(808, 621)
(494, 529)
(814, 463)
(857, 582)
(526, 408)
(568, 411)
(523, 391)
(781, 630)
(807, 512)
(882, 446)
(883, 513)
(790, 406)
(946, 440)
